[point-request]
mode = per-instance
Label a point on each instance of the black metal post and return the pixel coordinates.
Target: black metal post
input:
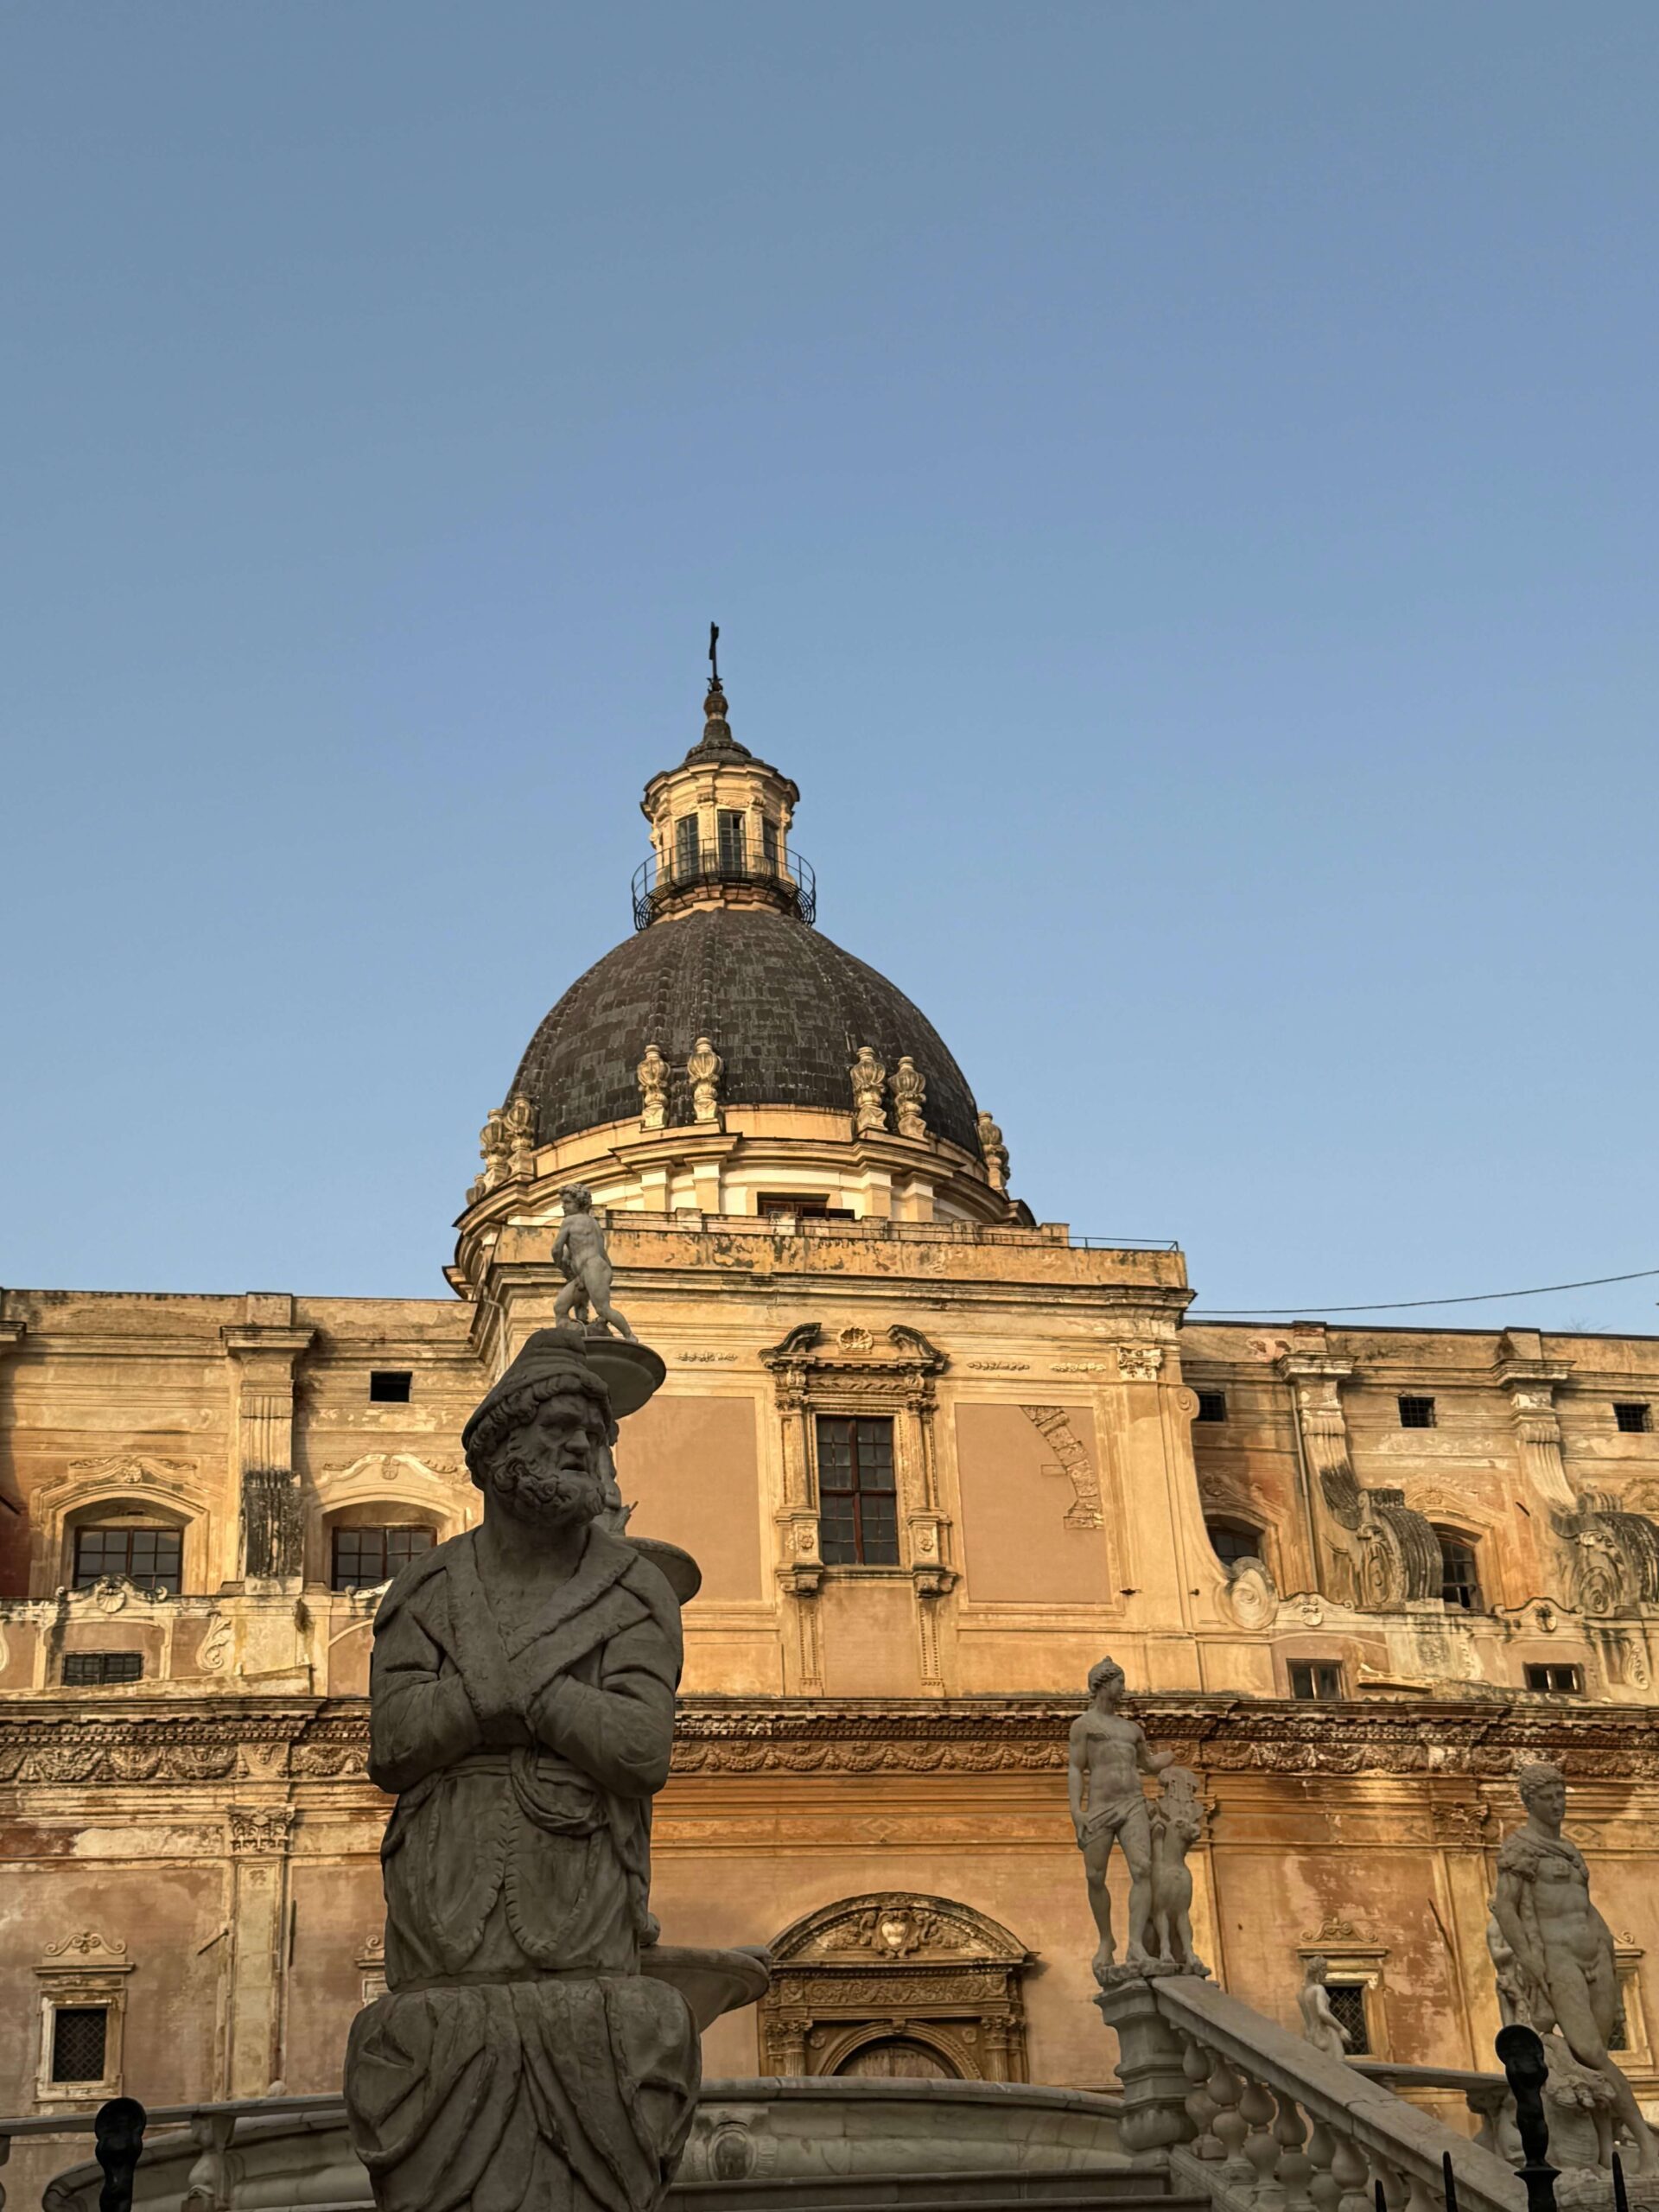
(1448, 2182)
(1621, 2196)
(1520, 2054)
(1380, 2197)
(118, 2145)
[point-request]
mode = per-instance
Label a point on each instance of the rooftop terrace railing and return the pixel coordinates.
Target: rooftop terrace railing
(878, 1228)
(786, 874)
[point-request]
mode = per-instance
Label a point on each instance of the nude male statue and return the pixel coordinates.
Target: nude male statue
(578, 1248)
(1109, 1753)
(1563, 1972)
(1320, 2025)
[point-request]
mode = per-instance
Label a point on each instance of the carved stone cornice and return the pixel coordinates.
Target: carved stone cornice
(1479, 1741)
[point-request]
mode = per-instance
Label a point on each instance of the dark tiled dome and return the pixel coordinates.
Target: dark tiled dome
(786, 1008)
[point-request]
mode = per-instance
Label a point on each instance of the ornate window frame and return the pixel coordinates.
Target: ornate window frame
(854, 1374)
(896, 1963)
(123, 1482)
(1352, 1959)
(82, 1970)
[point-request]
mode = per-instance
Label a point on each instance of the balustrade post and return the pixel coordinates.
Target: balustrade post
(1295, 2170)
(1257, 2107)
(1200, 2105)
(1324, 2189)
(5, 2154)
(1227, 2090)
(1148, 2068)
(208, 2186)
(1350, 2170)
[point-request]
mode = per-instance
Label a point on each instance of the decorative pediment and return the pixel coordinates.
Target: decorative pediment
(388, 1474)
(148, 1481)
(897, 1351)
(890, 1926)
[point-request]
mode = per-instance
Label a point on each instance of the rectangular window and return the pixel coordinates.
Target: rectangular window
(365, 1558)
(687, 855)
(729, 828)
(390, 1386)
(151, 1557)
(1557, 1680)
(1316, 1681)
(1348, 2002)
(858, 1505)
(769, 842)
(1632, 1419)
(1619, 2037)
(806, 1207)
(80, 2035)
(92, 1669)
(1416, 1413)
(1212, 1405)
(1460, 1577)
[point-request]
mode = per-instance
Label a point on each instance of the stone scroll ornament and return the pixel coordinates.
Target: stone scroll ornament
(1109, 1755)
(1556, 1973)
(537, 2044)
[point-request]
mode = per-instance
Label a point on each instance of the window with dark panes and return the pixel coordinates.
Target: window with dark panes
(1348, 2002)
(858, 1505)
(1618, 2036)
(390, 1386)
(93, 1669)
(152, 1557)
(1459, 1576)
(1232, 1541)
(1557, 1679)
(1416, 1413)
(365, 1558)
(81, 2036)
(803, 1205)
(1212, 1405)
(729, 830)
(1633, 1418)
(687, 855)
(769, 841)
(1316, 1679)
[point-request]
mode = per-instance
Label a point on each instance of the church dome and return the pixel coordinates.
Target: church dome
(784, 1008)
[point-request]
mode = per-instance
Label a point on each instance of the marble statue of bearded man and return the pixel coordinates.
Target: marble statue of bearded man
(523, 1711)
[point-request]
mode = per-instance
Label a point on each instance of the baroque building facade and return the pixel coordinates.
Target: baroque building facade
(934, 1458)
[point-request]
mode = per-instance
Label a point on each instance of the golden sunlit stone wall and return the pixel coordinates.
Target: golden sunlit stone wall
(198, 1850)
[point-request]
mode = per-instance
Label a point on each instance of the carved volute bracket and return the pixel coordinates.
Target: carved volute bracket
(1529, 1382)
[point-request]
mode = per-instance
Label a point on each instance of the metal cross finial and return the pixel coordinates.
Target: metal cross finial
(714, 666)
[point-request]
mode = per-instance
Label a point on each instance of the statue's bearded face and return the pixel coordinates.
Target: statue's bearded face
(548, 1468)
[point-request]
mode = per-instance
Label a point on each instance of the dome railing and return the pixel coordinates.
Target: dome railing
(786, 876)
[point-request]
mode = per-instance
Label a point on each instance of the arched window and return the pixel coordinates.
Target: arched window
(1232, 1541)
(1459, 1572)
(903, 2058)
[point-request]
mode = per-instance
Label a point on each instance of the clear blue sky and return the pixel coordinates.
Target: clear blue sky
(1178, 485)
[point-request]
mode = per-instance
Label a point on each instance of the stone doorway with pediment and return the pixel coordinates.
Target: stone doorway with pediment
(897, 1984)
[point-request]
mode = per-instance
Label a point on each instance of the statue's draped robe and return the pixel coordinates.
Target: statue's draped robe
(519, 2058)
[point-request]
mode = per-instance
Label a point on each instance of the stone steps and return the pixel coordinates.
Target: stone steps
(1121, 2188)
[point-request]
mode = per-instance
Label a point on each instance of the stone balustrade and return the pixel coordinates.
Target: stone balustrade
(1250, 2114)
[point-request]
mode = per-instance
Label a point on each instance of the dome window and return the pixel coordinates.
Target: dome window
(729, 826)
(688, 853)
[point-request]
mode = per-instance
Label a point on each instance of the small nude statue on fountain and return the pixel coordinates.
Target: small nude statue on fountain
(537, 2046)
(578, 1248)
(1320, 2025)
(1109, 1755)
(1560, 1974)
